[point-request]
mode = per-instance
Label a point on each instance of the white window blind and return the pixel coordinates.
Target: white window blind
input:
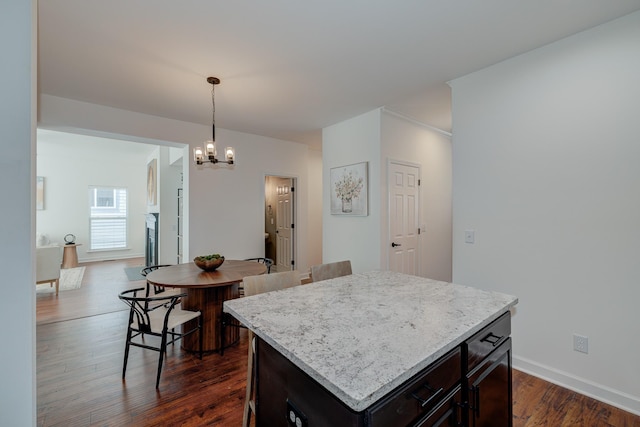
(107, 218)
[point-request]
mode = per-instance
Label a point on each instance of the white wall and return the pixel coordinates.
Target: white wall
(70, 164)
(354, 238)
(545, 154)
(17, 212)
(226, 205)
(377, 137)
(314, 247)
(407, 141)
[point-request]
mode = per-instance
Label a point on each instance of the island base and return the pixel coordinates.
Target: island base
(446, 393)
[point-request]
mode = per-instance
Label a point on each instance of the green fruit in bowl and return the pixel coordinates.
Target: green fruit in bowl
(209, 257)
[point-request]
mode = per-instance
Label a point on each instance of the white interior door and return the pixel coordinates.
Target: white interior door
(284, 224)
(404, 197)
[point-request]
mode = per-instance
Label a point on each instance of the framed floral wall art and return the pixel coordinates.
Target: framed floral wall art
(349, 189)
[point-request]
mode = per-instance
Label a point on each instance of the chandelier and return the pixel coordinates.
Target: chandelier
(209, 153)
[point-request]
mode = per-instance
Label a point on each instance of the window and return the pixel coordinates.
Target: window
(107, 218)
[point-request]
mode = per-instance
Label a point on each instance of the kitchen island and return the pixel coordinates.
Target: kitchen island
(380, 348)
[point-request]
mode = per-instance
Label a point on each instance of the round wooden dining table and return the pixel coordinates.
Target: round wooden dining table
(206, 291)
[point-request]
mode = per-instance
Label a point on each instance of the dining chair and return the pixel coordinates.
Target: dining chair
(269, 282)
(330, 270)
(156, 288)
(157, 316)
(254, 285)
(268, 262)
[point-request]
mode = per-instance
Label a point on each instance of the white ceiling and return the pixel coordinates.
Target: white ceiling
(291, 67)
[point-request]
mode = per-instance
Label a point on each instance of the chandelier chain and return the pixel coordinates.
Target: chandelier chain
(213, 105)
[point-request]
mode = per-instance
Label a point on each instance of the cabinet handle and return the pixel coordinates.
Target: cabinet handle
(492, 339)
(477, 393)
(425, 402)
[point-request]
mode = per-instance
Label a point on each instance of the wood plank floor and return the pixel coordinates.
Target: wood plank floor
(79, 368)
(98, 294)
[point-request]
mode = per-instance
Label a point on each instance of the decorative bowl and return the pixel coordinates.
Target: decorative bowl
(208, 262)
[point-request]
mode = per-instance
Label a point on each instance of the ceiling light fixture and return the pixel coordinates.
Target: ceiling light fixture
(208, 155)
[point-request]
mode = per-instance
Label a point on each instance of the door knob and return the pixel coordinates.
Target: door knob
(394, 244)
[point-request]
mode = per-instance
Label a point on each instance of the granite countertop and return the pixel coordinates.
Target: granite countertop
(361, 336)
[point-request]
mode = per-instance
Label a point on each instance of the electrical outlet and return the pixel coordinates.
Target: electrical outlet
(295, 418)
(581, 343)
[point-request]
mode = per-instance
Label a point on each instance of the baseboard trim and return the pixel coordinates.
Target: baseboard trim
(596, 391)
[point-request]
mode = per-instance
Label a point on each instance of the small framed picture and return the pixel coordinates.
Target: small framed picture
(40, 193)
(349, 190)
(152, 187)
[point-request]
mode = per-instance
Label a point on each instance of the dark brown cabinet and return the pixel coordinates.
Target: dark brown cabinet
(489, 400)
(469, 386)
(488, 375)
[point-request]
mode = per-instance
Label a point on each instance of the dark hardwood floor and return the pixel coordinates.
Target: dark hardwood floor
(80, 347)
(539, 403)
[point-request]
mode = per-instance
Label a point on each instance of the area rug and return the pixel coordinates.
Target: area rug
(133, 273)
(70, 279)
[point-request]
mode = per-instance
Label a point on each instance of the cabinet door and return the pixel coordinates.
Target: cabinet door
(490, 400)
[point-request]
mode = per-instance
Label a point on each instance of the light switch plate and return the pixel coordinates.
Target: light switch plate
(469, 236)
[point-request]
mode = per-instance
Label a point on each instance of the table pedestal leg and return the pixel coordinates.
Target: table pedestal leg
(209, 302)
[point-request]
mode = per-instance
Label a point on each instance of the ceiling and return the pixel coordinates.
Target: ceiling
(288, 68)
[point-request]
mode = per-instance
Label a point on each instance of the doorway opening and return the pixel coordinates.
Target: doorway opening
(152, 175)
(279, 221)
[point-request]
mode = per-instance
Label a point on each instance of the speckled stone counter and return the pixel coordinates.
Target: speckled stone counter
(361, 336)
